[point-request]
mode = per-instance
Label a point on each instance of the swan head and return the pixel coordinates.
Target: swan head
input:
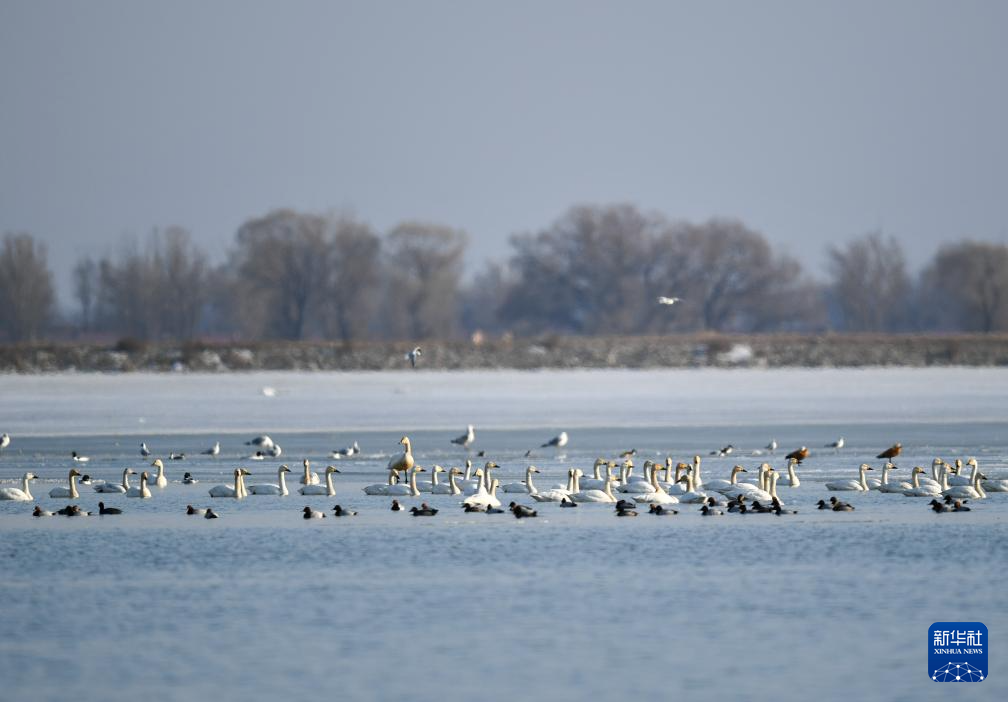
(74, 473)
(281, 469)
(532, 469)
(490, 464)
(437, 469)
(865, 466)
(157, 463)
(599, 462)
(739, 469)
(331, 469)
(405, 440)
(972, 462)
(418, 469)
(245, 471)
(454, 471)
(30, 476)
(130, 471)
(144, 476)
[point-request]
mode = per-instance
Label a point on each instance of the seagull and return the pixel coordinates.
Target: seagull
(798, 454)
(836, 445)
(466, 439)
(351, 450)
(4, 440)
(772, 446)
(662, 300)
(144, 451)
(413, 355)
(559, 441)
(724, 451)
(262, 441)
(213, 450)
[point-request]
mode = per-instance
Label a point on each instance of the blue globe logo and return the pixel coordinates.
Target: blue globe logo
(957, 672)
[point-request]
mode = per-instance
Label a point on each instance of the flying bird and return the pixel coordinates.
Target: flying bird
(559, 441)
(413, 355)
(662, 300)
(798, 454)
(891, 452)
(466, 439)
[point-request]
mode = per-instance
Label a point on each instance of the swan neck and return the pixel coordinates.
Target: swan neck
(283, 482)
(330, 490)
(452, 484)
(73, 487)
(528, 483)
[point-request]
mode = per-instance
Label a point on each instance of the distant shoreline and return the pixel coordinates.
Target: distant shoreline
(555, 352)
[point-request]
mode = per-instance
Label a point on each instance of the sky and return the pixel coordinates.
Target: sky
(813, 122)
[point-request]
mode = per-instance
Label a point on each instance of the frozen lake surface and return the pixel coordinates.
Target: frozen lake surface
(260, 604)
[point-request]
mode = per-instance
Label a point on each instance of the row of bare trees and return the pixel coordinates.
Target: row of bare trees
(596, 270)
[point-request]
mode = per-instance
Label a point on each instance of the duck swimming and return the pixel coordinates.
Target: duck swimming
(102, 509)
(521, 511)
(310, 513)
(190, 510)
(39, 512)
(187, 479)
(661, 510)
(338, 511)
(423, 511)
(396, 507)
(210, 514)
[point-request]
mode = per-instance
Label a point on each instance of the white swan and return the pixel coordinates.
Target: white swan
(381, 488)
(22, 494)
(143, 491)
(402, 462)
(992, 485)
(308, 477)
(160, 480)
(604, 495)
(266, 489)
(919, 489)
(630, 484)
(859, 485)
(452, 487)
(657, 495)
(526, 487)
(957, 478)
(720, 484)
(556, 494)
(792, 475)
(886, 486)
(759, 492)
(113, 487)
(409, 489)
(237, 492)
(974, 491)
(429, 485)
(69, 492)
(326, 489)
(482, 481)
(691, 494)
(597, 482)
(484, 498)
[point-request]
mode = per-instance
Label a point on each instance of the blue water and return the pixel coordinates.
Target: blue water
(261, 604)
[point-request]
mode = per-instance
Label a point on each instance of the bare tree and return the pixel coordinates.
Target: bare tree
(869, 284)
(26, 289)
(354, 278)
(154, 292)
(423, 275)
(586, 273)
(282, 267)
(966, 287)
(86, 284)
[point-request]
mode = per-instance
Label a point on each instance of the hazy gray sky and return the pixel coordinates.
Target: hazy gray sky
(811, 121)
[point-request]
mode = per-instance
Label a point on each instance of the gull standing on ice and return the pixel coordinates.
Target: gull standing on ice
(558, 441)
(466, 439)
(413, 355)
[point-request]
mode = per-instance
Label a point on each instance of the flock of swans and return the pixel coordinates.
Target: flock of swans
(613, 481)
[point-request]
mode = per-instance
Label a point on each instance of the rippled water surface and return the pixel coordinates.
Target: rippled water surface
(261, 604)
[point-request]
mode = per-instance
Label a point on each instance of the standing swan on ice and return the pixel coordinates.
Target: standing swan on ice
(22, 494)
(266, 489)
(142, 491)
(326, 489)
(402, 462)
(69, 492)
